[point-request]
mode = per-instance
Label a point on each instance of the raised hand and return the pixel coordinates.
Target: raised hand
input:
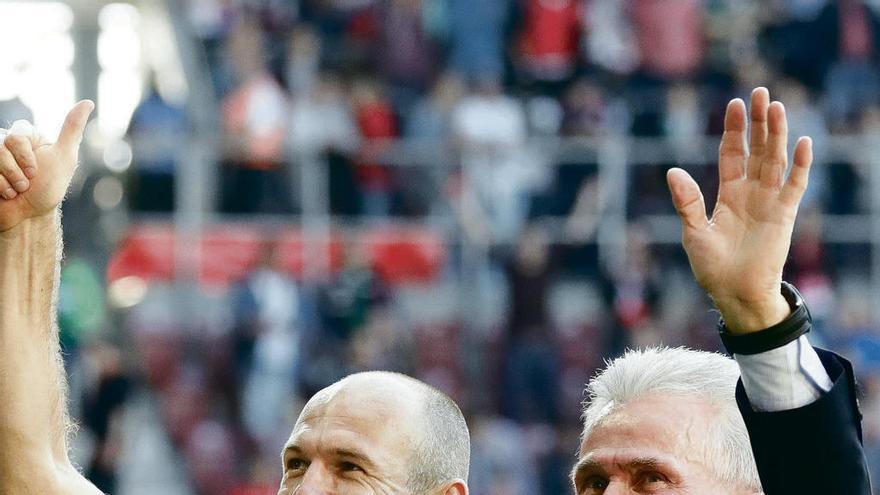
(738, 254)
(34, 174)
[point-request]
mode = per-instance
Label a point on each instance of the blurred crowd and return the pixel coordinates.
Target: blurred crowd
(458, 110)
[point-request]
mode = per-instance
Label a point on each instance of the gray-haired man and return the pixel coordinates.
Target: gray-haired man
(675, 421)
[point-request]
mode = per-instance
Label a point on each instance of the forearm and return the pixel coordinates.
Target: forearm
(33, 406)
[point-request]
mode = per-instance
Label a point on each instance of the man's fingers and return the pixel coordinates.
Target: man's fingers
(798, 178)
(760, 103)
(733, 153)
(10, 170)
(74, 126)
(22, 149)
(775, 155)
(6, 190)
(687, 198)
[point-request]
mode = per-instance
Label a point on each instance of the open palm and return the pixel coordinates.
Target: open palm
(51, 169)
(738, 254)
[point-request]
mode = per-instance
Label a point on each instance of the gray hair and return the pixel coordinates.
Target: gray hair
(683, 372)
(443, 455)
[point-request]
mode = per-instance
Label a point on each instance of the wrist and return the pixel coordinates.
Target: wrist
(742, 317)
(43, 224)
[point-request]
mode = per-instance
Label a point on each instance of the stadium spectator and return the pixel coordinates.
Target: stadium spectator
(477, 44)
(431, 117)
(346, 306)
(255, 174)
(272, 315)
(102, 411)
(154, 132)
(406, 53)
(848, 53)
(377, 122)
(531, 367)
(491, 127)
(611, 42)
(632, 290)
(685, 121)
(549, 43)
(321, 120)
(670, 37)
(584, 106)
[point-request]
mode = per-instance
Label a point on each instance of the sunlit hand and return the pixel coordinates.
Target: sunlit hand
(737, 256)
(34, 174)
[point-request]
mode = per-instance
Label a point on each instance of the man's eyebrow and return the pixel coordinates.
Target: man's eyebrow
(646, 463)
(352, 454)
(588, 465)
(291, 450)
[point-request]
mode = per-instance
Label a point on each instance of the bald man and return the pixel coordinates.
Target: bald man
(375, 433)
(371, 433)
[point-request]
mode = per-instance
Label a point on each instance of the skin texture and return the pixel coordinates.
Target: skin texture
(357, 437)
(653, 445)
(737, 255)
(33, 409)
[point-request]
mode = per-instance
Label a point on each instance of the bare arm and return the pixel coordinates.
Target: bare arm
(33, 403)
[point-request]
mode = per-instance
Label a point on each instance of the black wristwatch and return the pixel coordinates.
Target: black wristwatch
(798, 323)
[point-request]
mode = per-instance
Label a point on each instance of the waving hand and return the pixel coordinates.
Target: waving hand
(738, 254)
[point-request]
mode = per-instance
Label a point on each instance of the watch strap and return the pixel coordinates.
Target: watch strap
(798, 323)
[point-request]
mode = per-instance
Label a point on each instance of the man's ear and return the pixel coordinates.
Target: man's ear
(457, 487)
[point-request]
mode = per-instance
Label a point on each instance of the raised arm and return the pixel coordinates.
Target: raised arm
(737, 255)
(33, 392)
(799, 406)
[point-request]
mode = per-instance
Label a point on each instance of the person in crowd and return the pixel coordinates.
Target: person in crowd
(670, 36)
(677, 420)
(407, 55)
(377, 122)
(272, 311)
(254, 127)
(477, 32)
(369, 433)
(845, 38)
(155, 130)
(549, 43)
(492, 127)
(102, 411)
(531, 365)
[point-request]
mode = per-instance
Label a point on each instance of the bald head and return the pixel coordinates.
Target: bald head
(400, 420)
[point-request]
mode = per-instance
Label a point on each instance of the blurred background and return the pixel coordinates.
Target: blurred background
(276, 193)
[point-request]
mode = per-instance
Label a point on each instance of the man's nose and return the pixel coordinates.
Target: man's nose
(318, 480)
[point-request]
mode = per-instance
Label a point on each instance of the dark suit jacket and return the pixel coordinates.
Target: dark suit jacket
(816, 448)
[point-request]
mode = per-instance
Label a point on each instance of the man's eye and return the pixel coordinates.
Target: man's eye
(594, 485)
(349, 467)
(654, 479)
(296, 464)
